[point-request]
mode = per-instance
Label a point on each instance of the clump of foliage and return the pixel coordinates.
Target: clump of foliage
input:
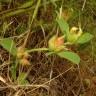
(44, 35)
(56, 45)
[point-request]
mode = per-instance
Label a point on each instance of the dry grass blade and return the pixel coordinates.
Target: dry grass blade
(2, 79)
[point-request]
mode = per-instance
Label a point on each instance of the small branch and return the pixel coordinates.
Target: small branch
(17, 86)
(37, 49)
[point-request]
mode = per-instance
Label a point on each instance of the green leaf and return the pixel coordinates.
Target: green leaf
(84, 38)
(9, 45)
(13, 71)
(27, 4)
(63, 25)
(73, 57)
(22, 79)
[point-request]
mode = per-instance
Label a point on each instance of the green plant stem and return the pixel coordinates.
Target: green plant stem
(36, 9)
(37, 49)
(31, 21)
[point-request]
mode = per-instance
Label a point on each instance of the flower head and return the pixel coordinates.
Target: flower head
(56, 43)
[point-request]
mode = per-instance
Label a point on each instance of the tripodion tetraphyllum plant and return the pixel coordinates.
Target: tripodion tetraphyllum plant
(57, 44)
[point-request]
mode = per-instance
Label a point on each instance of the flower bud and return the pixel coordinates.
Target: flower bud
(74, 34)
(20, 52)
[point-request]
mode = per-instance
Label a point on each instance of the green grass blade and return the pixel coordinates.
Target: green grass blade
(27, 4)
